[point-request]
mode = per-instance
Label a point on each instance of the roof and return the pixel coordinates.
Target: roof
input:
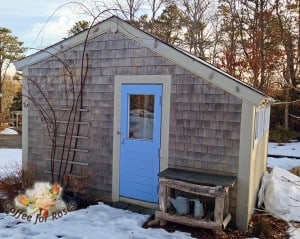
(179, 56)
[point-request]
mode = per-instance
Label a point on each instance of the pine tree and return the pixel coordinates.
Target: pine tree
(16, 102)
(11, 49)
(78, 27)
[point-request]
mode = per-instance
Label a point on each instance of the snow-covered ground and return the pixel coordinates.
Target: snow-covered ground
(8, 131)
(102, 221)
(290, 149)
(10, 160)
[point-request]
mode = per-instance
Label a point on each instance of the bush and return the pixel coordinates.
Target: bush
(281, 135)
(17, 182)
(262, 228)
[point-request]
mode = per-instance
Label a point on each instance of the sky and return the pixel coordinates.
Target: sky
(26, 18)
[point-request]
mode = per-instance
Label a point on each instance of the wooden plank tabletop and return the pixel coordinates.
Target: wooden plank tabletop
(206, 179)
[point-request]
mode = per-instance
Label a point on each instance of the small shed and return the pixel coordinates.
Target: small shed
(143, 106)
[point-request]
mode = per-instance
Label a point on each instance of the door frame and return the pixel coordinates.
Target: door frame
(165, 81)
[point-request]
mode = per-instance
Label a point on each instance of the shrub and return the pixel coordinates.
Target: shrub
(77, 184)
(281, 135)
(262, 228)
(17, 182)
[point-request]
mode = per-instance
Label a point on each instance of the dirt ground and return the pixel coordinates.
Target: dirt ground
(261, 226)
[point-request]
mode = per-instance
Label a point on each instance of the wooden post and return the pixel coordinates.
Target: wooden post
(226, 203)
(163, 201)
(219, 211)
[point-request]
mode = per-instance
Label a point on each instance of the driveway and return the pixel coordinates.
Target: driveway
(11, 141)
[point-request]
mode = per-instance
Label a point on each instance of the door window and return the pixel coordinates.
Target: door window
(141, 115)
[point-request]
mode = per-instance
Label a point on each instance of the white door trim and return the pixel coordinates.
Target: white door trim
(165, 81)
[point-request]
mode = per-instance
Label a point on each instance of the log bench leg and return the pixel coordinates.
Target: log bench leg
(163, 201)
(219, 212)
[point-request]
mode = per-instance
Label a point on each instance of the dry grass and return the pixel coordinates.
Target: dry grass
(17, 182)
(3, 126)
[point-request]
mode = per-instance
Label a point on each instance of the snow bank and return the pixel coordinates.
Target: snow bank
(280, 193)
(8, 131)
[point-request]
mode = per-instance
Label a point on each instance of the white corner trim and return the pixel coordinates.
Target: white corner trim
(24, 121)
(245, 166)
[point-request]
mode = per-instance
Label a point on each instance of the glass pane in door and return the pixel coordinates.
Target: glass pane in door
(141, 115)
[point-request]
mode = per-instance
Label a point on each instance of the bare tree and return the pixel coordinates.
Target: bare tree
(155, 6)
(289, 29)
(198, 16)
(128, 8)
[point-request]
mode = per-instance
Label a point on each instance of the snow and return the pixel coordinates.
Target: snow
(102, 221)
(10, 160)
(286, 163)
(280, 192)
(288, 149)
(8, 131)
(98, 221)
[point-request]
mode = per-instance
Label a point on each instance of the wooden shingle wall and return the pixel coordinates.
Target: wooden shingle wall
(204, 120)
(204, 126)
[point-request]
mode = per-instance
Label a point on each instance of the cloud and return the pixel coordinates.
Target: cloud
(56, 28)
(8, 70)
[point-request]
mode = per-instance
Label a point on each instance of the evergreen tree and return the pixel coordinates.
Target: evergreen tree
(11, 49)
(169, 24)
(16, 102)
(78, 27)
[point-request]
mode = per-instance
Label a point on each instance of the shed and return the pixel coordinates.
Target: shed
(145, 106)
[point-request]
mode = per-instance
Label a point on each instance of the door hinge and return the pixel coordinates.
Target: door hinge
(158, 152)
(160, 100)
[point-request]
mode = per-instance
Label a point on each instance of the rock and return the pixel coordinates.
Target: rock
(152, 223)
(296, 171)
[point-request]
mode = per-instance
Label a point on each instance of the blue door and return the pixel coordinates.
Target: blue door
(140, 141)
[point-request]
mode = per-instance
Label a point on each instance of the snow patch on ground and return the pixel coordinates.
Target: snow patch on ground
(286, 163)
(8, 131)
(100, 221)
(10, 160)
(287, 149)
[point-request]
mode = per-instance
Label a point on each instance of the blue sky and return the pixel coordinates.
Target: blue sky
(27, 17)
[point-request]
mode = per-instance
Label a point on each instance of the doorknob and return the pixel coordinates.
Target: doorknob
(122, 139)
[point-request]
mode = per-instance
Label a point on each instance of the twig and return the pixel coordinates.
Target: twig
(293, 182)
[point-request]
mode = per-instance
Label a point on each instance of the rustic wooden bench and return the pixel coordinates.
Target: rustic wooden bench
(198, 184)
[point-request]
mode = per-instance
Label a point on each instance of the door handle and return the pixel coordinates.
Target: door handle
(122, 139)
(121, 136)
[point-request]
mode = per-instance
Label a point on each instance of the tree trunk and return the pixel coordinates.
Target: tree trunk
(286, 110)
